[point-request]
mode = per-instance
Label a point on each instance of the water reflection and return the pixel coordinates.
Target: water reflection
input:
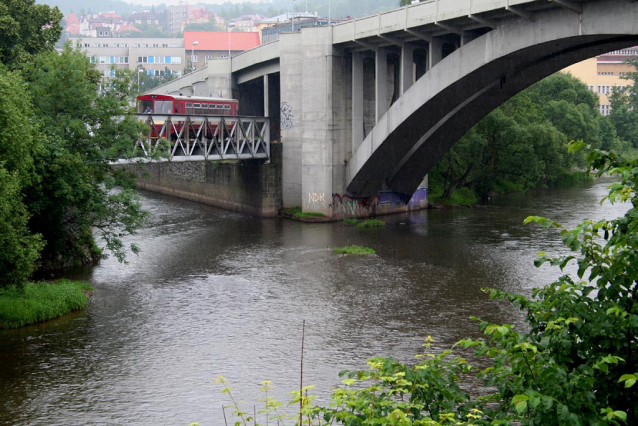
(215, 292)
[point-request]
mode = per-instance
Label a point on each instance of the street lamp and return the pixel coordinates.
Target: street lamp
(139, 71)
(195, 43)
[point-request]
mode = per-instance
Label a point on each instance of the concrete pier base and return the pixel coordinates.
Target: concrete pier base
(242, 186)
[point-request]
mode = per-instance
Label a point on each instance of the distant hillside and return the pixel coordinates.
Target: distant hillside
(94, 6)
(339, 8)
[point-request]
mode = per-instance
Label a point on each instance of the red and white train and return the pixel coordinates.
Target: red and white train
(186, 105)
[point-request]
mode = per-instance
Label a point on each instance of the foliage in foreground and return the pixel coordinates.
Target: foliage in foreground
(574, 362)
(353, 249)
(38, 302)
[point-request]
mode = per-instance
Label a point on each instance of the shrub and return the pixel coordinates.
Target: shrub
(353, 249)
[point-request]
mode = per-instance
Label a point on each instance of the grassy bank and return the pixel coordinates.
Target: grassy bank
(39, 302)
(296, 212)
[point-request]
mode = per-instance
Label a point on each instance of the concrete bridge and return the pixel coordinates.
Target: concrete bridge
(368, 107)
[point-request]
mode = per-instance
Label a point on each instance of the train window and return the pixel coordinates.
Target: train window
(189, 108)
(144, 107)
(197, 108)
(163, 107)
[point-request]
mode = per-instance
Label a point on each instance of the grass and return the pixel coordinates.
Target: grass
(39, 302)
(353, 250)
(296, 212)
(460, 197)
(371, 223)
(350, 222)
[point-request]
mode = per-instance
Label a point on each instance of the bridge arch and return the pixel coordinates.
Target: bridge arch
(426, 121)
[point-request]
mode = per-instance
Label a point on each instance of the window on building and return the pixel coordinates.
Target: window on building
(193, 58)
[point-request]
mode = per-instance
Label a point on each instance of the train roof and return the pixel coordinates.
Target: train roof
(185, 98)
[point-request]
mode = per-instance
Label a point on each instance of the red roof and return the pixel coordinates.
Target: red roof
(219, 40)
(125, 27)
(72, 19)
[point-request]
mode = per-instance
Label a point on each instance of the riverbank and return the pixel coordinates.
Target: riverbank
(42, 301)
(466, 197)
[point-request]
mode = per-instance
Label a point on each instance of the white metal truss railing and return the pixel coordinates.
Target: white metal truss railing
(196, 138)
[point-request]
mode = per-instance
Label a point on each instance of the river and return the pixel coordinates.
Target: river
(219, 293)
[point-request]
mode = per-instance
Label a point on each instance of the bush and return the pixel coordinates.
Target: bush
(371, 223)
(353, 249)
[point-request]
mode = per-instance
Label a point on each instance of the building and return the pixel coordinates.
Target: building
(269, 29)
(178, 17)
(602, 73)
(202, 46)
(246, 23)
(154, 56)
(146, 17)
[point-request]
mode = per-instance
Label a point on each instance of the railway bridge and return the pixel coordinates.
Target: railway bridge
(367, 107)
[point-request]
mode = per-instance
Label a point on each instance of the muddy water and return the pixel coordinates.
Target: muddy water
(215, 292)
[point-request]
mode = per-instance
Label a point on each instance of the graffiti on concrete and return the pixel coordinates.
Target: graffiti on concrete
(344, 206)
(315, 200)
(286, 116)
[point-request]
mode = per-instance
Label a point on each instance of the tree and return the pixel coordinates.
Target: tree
(18, 145)
(522, 144)
(77, 194)
(149, 82)
(208, 26)
(27, 29)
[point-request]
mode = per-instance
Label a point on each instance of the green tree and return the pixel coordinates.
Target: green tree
(27, 29)
(149, 82)
(77, 193)
(18, 145)
(522, 144)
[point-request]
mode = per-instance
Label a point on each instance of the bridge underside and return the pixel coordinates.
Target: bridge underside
(465, 86)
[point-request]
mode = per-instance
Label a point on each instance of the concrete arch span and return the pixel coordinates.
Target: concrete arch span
(464, 87)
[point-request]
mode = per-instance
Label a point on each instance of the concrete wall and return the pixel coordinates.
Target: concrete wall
(243, 186)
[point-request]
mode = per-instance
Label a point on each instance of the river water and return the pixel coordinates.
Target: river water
(218, 293)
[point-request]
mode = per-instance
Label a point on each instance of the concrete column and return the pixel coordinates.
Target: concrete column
(266, 92)
(317, 111)
(381, 83)
(291, 60)
(357, 100)
(435, 52)
(219, 78)
(407, 67)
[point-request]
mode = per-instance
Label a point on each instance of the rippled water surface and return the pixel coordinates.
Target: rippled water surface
(215, 292)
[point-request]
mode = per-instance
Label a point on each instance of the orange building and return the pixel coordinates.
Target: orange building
(602, 73)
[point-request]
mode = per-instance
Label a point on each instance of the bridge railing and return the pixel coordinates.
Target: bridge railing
(198, 137)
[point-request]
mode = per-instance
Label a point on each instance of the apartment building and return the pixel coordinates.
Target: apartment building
(150, 55)
(602, 73)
